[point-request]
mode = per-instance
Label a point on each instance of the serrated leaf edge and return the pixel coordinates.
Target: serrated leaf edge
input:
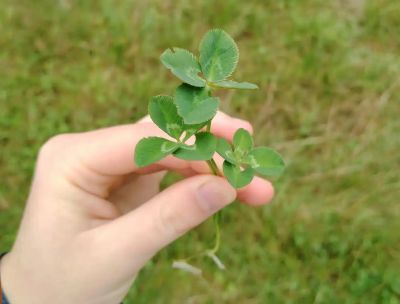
(236, 61)
(215, 85)
(194, 57)
(168, 126)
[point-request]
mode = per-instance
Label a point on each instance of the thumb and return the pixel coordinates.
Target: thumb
(167, 216)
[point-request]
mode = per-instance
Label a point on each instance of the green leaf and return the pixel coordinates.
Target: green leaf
(191, 129)
(266, 161)
(203, 149)
(230, 84)
(183, 65)
(237, 178)
(219, 55)
(151, 149)
(194, 104)
(242, 142)
(164, 114)
(225, 150)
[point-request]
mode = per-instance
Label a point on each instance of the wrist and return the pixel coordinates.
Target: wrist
(3, 294)
(9, 281)
(3, 298)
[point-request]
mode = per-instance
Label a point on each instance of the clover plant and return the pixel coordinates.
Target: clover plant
(190, 113)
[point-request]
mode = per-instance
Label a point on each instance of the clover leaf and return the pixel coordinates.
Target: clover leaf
(194, 104)
(224, 149)
(265, 161)
(164, 114)
(183, 65)
(237, 176)
(219, 55)
(152, 149)
(191, 129)
(243, 161)
(242, 142)
(203, 148)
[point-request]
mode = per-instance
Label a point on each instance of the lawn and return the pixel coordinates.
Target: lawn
(329, 77)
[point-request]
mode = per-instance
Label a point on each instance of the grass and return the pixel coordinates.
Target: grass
(329, 73)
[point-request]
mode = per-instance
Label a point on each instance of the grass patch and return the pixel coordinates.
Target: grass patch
(329, 74)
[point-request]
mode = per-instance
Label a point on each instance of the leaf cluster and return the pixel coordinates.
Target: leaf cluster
(242, 160)
(219, 56)
(191, 110)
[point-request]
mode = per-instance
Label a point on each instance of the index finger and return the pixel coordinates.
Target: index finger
(110, 151)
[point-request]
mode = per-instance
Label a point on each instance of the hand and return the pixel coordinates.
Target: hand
(93, 219)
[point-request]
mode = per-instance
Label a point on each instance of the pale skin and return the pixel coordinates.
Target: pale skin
(93, 219)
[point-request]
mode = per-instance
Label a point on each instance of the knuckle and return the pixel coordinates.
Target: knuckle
(55, 148)
(54, 144)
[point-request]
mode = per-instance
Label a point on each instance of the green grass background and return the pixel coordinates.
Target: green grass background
(329, 77)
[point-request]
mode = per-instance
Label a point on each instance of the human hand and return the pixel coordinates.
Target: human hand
(93, 219)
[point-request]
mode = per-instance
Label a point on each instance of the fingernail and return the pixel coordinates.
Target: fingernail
(215, 194)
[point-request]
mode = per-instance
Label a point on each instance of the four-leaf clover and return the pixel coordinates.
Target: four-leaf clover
(242, 160)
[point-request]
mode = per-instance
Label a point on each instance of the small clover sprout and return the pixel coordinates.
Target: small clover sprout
(189, 113)
(242, 161)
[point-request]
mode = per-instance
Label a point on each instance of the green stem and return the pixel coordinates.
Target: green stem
(213, 167)
(208, 127)
(217, 218)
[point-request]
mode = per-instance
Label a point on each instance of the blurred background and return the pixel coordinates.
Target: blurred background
(329, 77)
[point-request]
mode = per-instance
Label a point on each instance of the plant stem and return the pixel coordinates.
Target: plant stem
(208, 127)
(217, 218)
(213, 167)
